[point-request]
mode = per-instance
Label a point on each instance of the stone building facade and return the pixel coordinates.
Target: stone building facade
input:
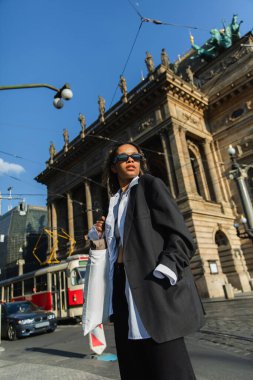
(184, 120)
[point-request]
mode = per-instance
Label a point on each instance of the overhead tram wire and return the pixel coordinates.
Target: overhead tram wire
(158, 22)
(153, 21)
(129, 55)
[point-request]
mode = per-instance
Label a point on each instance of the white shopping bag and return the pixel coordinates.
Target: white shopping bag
(96, 290)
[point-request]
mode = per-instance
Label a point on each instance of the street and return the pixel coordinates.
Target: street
(223, 351)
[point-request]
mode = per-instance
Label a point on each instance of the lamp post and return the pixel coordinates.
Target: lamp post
(238, 173)
(64, 92)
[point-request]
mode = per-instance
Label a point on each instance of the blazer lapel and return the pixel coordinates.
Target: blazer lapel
(129, 214)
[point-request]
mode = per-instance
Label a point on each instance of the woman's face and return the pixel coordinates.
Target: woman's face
(126, 170)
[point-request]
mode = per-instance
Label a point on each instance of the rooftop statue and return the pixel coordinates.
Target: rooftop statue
(149, 63)
(235, 28)
(165, 59)
(101, 104)
(82, 121)
(207, 52)
(220, 40)
(52, 152)
(123, 88)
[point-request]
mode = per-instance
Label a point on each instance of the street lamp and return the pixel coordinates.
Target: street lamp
(238, 173)
(63, 93)
(248, 233)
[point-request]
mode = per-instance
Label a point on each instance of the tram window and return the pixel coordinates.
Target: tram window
(41, 283)
(82, 272)
(76, 278)
(17, 289)
(28, 286)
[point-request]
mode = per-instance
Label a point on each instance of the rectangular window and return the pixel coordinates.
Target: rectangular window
(17, 289)
(41, 283)
(29, 286)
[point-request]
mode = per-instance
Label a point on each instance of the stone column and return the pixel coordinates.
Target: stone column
(213, 172)
(182, 163)
(168, 166)
(88, 204)
(70, 217)
(54, 226)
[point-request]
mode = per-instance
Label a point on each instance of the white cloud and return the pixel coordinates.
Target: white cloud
(7, 167)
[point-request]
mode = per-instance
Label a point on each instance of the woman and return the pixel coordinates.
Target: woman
(154, 298)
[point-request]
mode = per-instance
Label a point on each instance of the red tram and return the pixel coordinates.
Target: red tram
(57, 288)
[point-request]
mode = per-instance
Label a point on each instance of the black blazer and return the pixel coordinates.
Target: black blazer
(154, 233)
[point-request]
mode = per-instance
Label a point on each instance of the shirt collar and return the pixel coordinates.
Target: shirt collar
(134, 182)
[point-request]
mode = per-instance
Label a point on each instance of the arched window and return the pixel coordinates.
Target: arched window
(221, 239)
(198, 170)
(225, 254)
(196, 173)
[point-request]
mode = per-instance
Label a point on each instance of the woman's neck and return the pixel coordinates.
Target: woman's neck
(124, 187)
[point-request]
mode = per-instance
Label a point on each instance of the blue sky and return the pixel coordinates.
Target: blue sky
(84, 43)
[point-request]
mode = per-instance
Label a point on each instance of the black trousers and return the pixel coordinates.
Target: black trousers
(144, 359)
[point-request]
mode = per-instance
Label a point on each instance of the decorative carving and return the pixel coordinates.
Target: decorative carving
(220, 67)
(220, 40)
(101, 104)
(149, 63)
(190, 75)
(220, 227)
(190, 118)
(146, 124)
(165, 59)
(248, 105)
(52, 152)
(82, 121)
(123, 88)
(66, 139)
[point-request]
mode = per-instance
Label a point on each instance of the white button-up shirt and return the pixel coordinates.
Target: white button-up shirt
(117, 212)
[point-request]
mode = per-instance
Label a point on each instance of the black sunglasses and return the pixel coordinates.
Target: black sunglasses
(123, 157)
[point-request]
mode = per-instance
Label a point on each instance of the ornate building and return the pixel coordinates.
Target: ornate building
(184, 115)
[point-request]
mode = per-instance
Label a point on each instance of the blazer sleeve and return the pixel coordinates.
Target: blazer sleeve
(168, 220)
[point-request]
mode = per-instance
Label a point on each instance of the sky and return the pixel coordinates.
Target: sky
(86, 44)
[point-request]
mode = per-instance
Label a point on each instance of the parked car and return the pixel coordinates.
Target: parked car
(23, 318)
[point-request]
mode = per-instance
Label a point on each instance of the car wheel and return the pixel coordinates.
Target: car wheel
(50, 330)
(11, 332)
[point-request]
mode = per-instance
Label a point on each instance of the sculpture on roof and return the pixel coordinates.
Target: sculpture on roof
(149, 63)
(165, 59)
(235, 27)
(66, 139)
(101, 104)
(65, 136)
(123, 88)
(82, 121)
(207, 53)
(220, 40)
(190, 75)
(52, 152)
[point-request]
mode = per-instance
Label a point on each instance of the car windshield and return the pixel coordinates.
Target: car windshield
(20, 307)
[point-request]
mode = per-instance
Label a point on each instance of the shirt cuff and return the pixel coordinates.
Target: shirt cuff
(162, 271)
(93, 234)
